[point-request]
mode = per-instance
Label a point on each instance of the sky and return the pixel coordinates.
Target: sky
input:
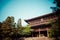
(24, 9)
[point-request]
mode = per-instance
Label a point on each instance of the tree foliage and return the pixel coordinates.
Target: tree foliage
(55, 29)
(26, 30)
(9, 29)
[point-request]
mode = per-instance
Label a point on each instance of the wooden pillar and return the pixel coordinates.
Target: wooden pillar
(39, 32)
(47, 33)
(32, 34)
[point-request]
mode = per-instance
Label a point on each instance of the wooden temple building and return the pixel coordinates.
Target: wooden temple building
(40, 25)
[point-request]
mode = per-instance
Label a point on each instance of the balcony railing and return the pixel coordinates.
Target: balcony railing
(41, 22)
(39, 29)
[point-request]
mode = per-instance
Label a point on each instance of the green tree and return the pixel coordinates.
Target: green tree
(0, 31)
(19, 26)
(7, 26)
(55, 29)
(26, 30)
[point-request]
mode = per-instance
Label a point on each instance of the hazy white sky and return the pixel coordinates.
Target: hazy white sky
(24, 9)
